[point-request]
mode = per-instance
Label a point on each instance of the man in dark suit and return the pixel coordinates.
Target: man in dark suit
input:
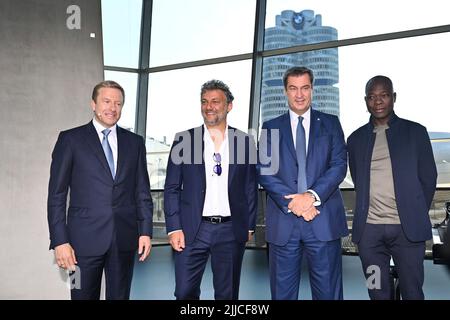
(110, 206)
(394, 173)
(210, 198)
(306, 162)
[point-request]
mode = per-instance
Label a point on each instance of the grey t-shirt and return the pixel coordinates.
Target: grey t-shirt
(382, 206)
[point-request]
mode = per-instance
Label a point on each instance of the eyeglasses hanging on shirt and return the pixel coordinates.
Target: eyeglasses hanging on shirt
(217, 169)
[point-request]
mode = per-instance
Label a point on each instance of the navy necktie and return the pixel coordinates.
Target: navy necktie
(108, 151)
(300, 150)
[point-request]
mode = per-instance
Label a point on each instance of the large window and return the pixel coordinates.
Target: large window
(121, 22)
(200, 29)
(323, 20)
(344, 42)
(418, 70)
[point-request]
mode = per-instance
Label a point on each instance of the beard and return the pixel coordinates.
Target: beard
(213, 120)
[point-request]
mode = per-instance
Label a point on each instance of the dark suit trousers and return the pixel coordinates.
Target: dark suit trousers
(118, 267)
(324, 263)
(217, 241)
(378, 243)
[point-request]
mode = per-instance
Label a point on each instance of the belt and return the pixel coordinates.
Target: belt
(216, 219)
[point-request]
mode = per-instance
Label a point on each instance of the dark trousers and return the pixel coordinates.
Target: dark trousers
(118, 267)
(380, 242)
(217, 241)
(324, 263)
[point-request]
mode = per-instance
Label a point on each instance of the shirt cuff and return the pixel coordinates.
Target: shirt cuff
(317, 201)
(173, 232)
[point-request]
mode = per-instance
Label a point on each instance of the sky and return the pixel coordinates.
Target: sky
(200, 29)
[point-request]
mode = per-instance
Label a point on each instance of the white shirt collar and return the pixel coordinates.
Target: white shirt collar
(99, 127)
(306, 116)
(306, 125)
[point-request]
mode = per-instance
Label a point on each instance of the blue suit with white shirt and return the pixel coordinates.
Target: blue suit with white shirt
(106, 214)
(290, 236)
(184, 207)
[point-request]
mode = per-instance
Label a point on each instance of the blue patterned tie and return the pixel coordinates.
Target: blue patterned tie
(108, 152)
(300, 150)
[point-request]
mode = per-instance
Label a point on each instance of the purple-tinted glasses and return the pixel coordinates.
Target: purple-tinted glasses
(217, 167)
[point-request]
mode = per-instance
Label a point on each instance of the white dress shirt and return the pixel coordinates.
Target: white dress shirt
(306, 125)
(216, 197)
(112, 138)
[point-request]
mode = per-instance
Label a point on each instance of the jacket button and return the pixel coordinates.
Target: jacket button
(295, 181)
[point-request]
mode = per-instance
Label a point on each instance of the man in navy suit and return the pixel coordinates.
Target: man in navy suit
(394, 173)
(210, 198)
(305, 216)
(110, 206)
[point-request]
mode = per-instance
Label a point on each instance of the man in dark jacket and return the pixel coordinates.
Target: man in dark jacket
(394, 173)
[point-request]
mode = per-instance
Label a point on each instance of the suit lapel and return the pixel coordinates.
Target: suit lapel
(232, 153)
(122, 150)
(93, 141)
(314, 132)
(369, 142)
(200, 167)
(286, 134)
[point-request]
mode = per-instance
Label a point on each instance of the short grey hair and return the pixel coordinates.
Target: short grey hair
(217, 85)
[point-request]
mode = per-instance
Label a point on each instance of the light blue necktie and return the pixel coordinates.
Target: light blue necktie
(108, 151)
(300, 150)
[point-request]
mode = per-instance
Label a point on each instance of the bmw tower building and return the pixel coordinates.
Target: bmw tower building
(293, 29)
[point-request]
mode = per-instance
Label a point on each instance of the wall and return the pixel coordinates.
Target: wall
(46, 78)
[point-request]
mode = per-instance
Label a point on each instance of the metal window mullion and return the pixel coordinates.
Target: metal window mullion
(143, 76)
(257, 64)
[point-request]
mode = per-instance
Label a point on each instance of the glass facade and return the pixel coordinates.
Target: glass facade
(249, 45)
(201, 29)
(121, 22)
(356, 18)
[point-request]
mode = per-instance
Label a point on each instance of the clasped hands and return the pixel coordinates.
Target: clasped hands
(301, 205)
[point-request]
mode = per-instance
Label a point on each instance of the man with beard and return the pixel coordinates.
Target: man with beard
(210, 198)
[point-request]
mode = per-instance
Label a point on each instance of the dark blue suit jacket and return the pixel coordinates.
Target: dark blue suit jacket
(98, 204)
(326, 166)
(184, 190)
(413, 169)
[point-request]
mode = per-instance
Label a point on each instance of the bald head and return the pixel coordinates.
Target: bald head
(380, 98)
(379, 80)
